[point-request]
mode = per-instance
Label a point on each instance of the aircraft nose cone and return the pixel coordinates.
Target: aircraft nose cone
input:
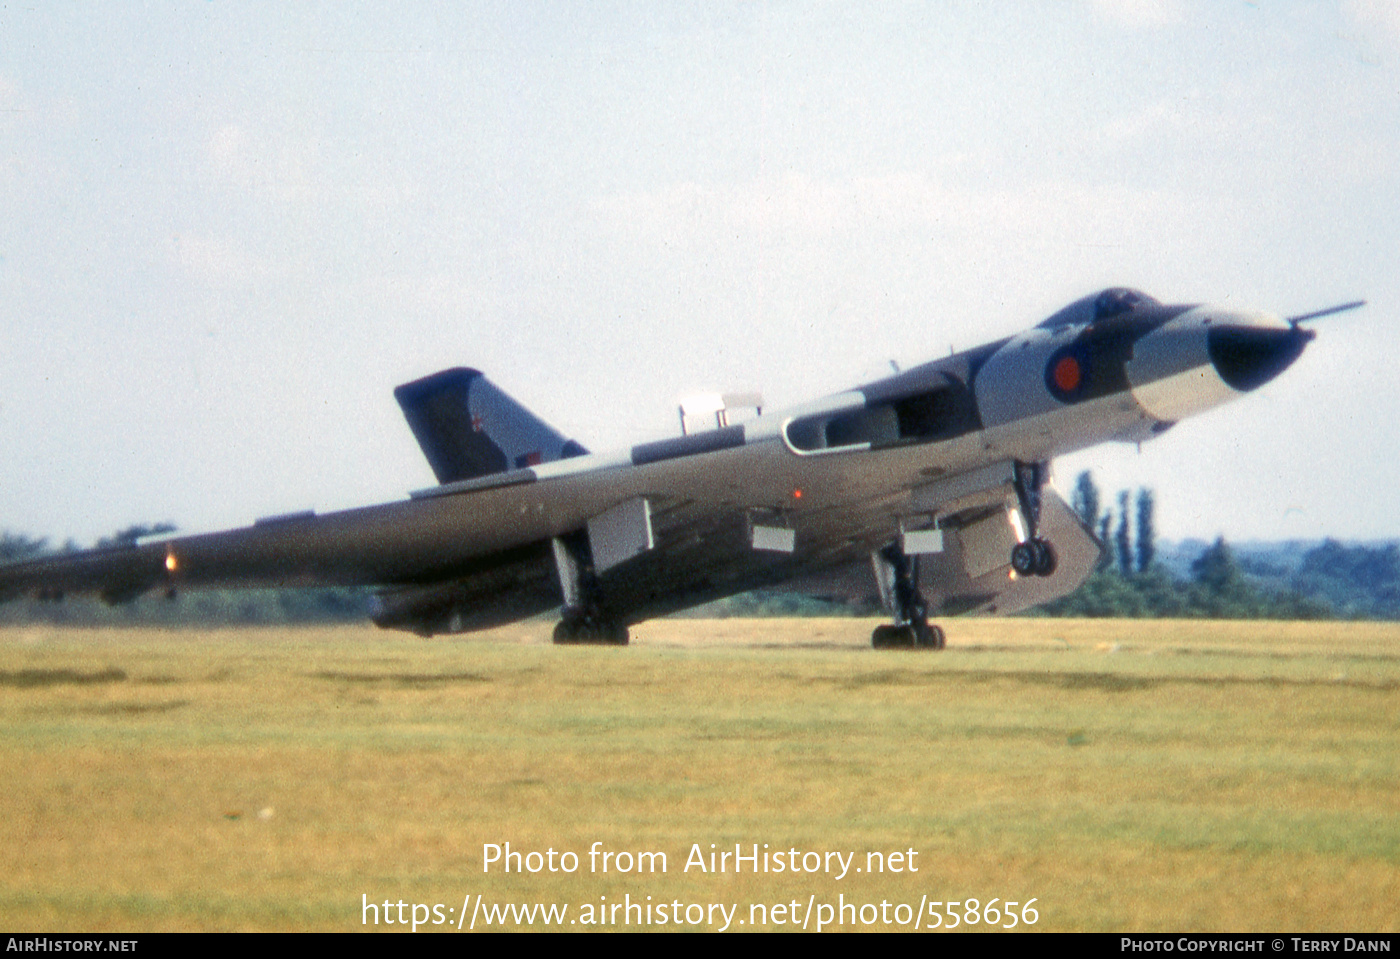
(1247, 357)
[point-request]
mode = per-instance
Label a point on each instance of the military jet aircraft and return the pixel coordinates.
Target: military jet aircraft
(932, 482)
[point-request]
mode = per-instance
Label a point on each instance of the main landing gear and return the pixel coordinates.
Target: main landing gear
(586, 618)
(898, 576)
(1034, 557)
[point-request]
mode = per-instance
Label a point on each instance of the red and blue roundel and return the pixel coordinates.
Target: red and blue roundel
(1067, 373)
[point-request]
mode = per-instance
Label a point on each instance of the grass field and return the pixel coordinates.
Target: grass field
(1126, 775)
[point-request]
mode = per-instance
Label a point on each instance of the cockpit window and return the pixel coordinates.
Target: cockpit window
(1099, 306)
(1118, 300)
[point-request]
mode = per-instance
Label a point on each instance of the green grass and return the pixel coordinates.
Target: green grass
(1126, 774)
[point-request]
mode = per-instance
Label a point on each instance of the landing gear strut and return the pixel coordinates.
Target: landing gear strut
(898, 576)
(1034, 557)
(585, 619)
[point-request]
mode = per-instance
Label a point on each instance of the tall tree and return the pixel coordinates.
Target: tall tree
(1216, 567)
(1146, 548)
(1221, 589)
(1086, 499)
(1125, 536)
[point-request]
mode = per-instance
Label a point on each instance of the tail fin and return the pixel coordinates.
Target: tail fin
(468, 427)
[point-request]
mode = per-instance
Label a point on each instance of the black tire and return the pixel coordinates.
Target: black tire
(1045, 559)
(893, 637)
(1023, 559)
(576, 632)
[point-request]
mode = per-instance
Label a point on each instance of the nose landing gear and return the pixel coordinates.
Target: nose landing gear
(1034, 557)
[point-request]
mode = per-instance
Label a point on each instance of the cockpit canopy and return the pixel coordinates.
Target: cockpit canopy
(1098, 306)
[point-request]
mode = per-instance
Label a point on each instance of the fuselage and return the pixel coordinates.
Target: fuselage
(1115, 366)
(847, 472)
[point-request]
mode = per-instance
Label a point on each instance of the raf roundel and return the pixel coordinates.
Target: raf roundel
(1067, 375)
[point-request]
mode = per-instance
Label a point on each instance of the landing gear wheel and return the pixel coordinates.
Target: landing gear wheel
(1023, 559)
(1034, 557)
(578, 630)
(908, 636)
(893, 637)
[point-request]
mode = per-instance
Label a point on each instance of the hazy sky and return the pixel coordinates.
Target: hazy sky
(228, 230)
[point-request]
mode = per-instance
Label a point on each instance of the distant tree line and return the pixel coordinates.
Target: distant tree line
(1333, 581)
(1356, 581)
